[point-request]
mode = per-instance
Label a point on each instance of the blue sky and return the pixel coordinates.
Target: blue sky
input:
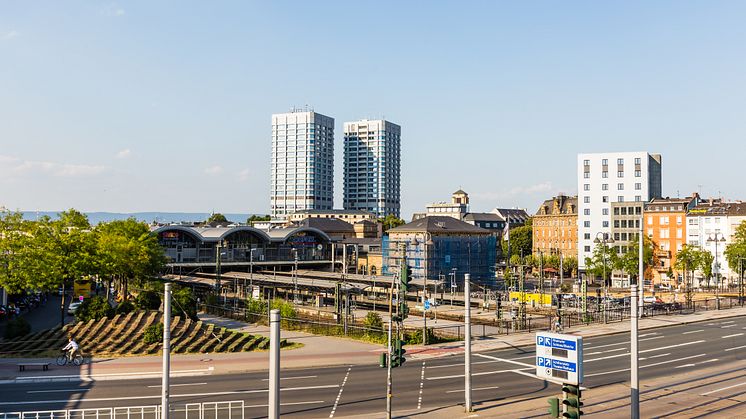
(165, 106)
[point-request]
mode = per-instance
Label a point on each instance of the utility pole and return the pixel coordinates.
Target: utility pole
(424, 312)
(389, 384)
(634, 369)
(165, 383)
(467, 343)
(274, 365)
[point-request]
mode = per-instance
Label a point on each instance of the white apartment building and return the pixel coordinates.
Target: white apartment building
(604, 178)
(711, 221)
(302, 167)
(372, 167)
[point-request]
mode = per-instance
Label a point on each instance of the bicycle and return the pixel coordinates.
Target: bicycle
(76, 360)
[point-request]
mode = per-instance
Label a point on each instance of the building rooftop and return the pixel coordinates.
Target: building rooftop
(567, 205)
(483, 216)
(334, 211)
(439, 225)
(328, 225)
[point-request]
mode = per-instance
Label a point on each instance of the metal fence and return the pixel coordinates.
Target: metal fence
(206, 410)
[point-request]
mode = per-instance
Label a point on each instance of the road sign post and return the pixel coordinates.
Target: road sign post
(559, 359)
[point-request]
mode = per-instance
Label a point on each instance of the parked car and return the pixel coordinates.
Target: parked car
(73, 307)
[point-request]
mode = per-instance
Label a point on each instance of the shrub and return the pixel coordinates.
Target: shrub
(148, 300)
(256, 306)
(94, 308)
(17, 327)
(566, 287)
(373, 321)
(124, 307)
(287, 311)
(183, 303)
(153, 333)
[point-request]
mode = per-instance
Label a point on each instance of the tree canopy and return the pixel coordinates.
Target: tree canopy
(217, 217)
(736, 250)
(521, 241)
(256, 218)
(390, 221)
(602, 262)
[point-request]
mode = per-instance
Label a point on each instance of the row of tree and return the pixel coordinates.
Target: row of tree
(46, 253)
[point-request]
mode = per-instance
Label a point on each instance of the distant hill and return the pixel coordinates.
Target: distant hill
(148, 217)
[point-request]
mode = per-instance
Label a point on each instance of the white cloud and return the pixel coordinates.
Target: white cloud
(243, 175)
(10, 35)
(123, 154)
(14, 167)
(214, 170)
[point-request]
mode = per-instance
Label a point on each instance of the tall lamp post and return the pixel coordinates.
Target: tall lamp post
(604, 240)
(710, 239)
(295, 275)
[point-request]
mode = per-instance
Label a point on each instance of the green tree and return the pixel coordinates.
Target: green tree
(257, 218)
(602, 262)
(735, 252)
(390, 221)
(184, 304)
(687, 260)
(148, 300)
(128, 251)
(94, 308)
(629, 262)
(521, 240)
(570, 265)
(373, 320)
(217, 218)
(704, 264)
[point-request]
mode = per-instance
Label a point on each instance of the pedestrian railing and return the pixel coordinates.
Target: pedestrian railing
(206, 410)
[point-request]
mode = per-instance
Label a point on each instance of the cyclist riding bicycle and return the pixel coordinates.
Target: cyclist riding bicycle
(71, 348)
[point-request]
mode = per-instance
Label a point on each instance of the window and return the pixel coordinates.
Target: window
(616, 210)
(604, 174)
(638, 186)
(586, 224)
(637, 160)
(620, 162)
(620, 174)
(638, 198)
(587, 199)
(679, 233)
(587, 187)
(587, 248)
(587, 236)
(586, 162)
(678, 219)
(650, 220)
(605, 211)
(620, 198)
(638, 173)
(605, 162)
(587, 211)
(605, 198)
(620, 186)
(586, 175)
(650, 232)
(606, 224)
(605, 187)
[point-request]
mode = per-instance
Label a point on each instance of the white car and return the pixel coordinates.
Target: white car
(648, 299)
(73, 307)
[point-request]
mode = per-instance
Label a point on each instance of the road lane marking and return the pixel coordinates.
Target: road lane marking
(730, 325)
(656, 356)
(59, 390)
(294, 378)
(645, 366)
(657, 337)
(462, 364)
(697, 363)
(422, 383)
(180, 385)
(693, 331)
(509, 361)
(158, 396)
(732, 336)
(474, 389)
(648, 334)
(339, 395)
(737, 347)
(722, 389)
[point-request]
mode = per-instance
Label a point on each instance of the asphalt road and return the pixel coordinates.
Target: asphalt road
(360, 389)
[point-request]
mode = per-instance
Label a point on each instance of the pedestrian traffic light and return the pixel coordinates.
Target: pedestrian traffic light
(554, 407)
(397, 357)
(571, 401)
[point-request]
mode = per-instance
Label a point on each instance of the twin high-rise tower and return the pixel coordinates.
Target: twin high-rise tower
(302, 166)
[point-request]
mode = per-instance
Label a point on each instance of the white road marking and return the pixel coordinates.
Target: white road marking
(422, 383)
(732, 336)
(462, 364)
(693, 331)
(61, 390)
(339, 395)
(646, 366)
(657, 337)
(697, 363)
(474, 389)
(158, 396)
(294, 378)
(737, 347)
(655, 356)
(509, 361)
(730, 325)
(180, 385)
(721, 389)
(648, 334)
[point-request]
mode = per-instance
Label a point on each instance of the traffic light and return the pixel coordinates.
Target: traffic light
(383, 360)
(397, 357)
(571, 401)
(554, 407)
(404, 278)
(403, 310)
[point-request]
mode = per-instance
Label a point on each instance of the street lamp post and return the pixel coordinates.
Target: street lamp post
(717, 265)
(295, 276)
(604, 241)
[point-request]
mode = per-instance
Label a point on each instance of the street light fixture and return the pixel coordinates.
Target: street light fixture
(710, 239)
(605, 240)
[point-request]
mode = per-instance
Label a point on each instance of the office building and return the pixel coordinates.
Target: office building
(555, 227)
(372, 167)
(604, 178)
(302, 167)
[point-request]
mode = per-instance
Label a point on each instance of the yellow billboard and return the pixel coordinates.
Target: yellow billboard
(533, 298)
(82, 287)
